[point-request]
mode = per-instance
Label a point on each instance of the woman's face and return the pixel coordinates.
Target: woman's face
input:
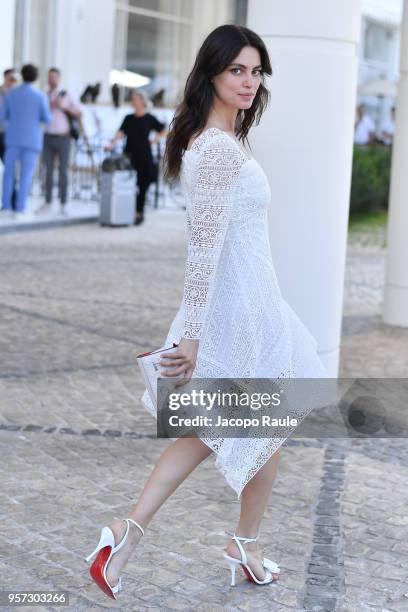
(237, 85)
(138, 103)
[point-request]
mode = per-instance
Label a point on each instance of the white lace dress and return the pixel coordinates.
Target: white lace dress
(232, 302)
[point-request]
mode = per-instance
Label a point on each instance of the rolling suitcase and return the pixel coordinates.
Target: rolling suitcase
(118, 194)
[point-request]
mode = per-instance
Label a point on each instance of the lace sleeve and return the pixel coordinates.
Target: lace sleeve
(212, 202)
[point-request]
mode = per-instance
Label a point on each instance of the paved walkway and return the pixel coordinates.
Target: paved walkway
(77, 305)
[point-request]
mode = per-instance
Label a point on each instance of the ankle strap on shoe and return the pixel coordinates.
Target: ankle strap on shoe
(136, 524)
(242, 538)
(238, 540)
(245, 540)
(131, 521)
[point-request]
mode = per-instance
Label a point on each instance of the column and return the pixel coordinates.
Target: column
(305, 144)
(85, 43)
(395, 309)
(8, 11)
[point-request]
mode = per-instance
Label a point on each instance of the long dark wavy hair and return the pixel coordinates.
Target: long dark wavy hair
(217, 52)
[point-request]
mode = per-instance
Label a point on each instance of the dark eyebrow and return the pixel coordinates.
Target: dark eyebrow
(242, 66)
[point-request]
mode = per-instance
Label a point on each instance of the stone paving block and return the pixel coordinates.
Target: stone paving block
(363, 598)
(281, 596)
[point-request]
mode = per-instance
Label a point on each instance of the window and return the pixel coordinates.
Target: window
(154, 43)
(377, 42)
(32, 42)
(176, 7)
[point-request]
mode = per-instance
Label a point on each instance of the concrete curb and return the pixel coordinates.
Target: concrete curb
(46, 224)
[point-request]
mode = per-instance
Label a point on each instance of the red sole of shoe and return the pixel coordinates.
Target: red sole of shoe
(248, 575)
(96, 571)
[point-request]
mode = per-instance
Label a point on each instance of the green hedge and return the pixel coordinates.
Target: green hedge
(370, 182)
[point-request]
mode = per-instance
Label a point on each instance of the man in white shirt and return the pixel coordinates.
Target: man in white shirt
(388, 129)
(364, 129)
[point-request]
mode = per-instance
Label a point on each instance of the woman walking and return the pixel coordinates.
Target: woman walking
(233, 321)
(136, 127)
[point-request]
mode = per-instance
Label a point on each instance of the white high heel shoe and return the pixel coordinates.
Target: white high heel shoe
(105, 550)
(269, 566)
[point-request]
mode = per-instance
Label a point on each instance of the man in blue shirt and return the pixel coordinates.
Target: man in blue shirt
(10, 81)
(24, 109)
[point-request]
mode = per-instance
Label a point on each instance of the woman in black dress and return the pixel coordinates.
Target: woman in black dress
(136, 127)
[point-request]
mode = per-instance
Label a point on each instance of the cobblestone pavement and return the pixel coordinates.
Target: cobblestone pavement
(77, 305)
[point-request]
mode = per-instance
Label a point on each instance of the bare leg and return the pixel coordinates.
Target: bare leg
(254, 499)
(176, 462)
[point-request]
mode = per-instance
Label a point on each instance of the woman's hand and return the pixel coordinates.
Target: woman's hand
(182, 361)
(118, 136)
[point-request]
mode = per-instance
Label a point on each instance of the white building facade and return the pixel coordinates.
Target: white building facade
(86, 39)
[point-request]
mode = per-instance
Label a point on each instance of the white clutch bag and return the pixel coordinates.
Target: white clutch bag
(150, 368)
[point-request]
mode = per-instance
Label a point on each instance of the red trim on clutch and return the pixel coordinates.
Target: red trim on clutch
(153, 352)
